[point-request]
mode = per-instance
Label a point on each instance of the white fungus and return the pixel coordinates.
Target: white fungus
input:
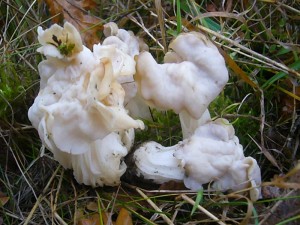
(192, 76)
(211, 154)
(80, 106)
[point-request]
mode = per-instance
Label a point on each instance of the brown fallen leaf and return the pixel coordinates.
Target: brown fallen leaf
(3, 199)
(124, 217)
(75, 12)
(94, 219)
(286, 187)
(87, 4)
(92, 206)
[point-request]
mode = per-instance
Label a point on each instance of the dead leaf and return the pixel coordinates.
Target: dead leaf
(94, 219)
(211, 8)
(92, 206)
(124, 217)
(75, 12)
(3, 199)
(55, 10)
(87, 4)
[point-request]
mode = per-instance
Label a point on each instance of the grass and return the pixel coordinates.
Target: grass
(261, 44)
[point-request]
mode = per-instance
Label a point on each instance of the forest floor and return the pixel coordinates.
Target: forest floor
(260, 43)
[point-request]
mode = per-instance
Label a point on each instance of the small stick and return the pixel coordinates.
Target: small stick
(192, 202)
(165, 218)
(39, 199)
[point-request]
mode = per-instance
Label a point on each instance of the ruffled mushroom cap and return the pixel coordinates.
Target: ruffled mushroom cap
(244, 173)
(126, 46)
(124, 40)
(212, 153)
(103, 164)
(209, 153)
(193, 74)
(80, 107)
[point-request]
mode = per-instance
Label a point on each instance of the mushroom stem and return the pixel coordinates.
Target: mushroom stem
(189, 124)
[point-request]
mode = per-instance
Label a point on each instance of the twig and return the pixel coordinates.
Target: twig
(54, 207)
(145, 30)
(161, 23)
(206, 212)
(61, 220)
(75, 203)
(39, 199)
(175, 192)
(165, 218)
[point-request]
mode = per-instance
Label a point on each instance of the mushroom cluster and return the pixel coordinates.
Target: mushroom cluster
(79, 111)
(192, 76)
(90, 101)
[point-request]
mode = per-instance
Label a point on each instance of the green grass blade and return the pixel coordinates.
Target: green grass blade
(178, 16)
(198, 200)
(280, 75)
(289, 220)
(256, 222)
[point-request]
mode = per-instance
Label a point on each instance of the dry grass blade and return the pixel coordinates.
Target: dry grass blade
(219, 14)
(234, 66)
(206, 212)
(267, 154)
(39, 199)
(154, 206)
(273, 209)
(279, 66)
(282, 182)
(161, 22)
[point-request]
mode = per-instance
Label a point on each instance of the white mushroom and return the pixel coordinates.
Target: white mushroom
(103, 164)
(126, 46)
(212, 153)
(192, 76)
(79, 111)
(243, 173)
(189, 124)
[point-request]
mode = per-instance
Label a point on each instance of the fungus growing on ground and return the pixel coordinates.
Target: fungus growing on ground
(193, 74)
(211, 154)
(80, 105)
(81, 111)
